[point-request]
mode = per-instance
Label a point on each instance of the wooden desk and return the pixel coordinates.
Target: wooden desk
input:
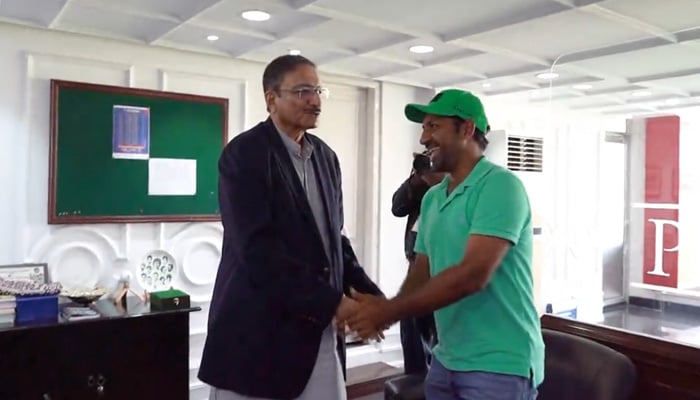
(665, 370)
(134, 354)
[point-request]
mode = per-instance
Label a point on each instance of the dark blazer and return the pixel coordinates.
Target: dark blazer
(275, 290)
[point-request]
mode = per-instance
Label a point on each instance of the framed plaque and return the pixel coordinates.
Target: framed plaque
(38, 273)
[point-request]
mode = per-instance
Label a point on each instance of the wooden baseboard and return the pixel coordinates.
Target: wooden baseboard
(369, 379)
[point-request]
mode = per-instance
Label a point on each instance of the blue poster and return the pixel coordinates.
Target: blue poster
(131, 132)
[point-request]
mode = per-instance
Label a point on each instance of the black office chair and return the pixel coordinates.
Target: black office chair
(405, 387)
(581, 369)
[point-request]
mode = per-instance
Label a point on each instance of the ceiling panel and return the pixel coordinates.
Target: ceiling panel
(502, 43)
(433, 16)
(283, 19)
(179, 9)
(496, 85)
(313, 51)
(651, 61)
(352, 36)
(432, 75)
(442, 51)
(94, 19)
(590, 102)
(524, 97)
(491, 64)
(364, 65)
(671, 15)
(689, 83)
(230, 43)
(555, 35)
(28, 11)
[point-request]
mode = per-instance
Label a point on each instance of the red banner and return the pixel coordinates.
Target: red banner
(661, 197)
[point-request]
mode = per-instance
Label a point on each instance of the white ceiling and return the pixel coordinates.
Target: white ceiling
(495, 48)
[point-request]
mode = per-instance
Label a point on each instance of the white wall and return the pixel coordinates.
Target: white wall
(93, 253)
(564, 198)
(399, 139)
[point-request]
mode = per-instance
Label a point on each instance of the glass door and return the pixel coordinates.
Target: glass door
(613, 196)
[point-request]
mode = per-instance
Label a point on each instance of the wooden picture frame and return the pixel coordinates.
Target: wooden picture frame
(88, 184)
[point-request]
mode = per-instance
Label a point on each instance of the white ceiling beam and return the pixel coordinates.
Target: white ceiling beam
(299, 4)
(21, 22)
(305, 42)
(577, 3)
(486, 48)
(413, 65)
(101, 34)
(557, 84)
(578, 95)
(61, 11)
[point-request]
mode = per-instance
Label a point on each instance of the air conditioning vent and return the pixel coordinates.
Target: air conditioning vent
(525, 153)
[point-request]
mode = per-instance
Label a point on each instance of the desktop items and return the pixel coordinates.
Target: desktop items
(32, 301)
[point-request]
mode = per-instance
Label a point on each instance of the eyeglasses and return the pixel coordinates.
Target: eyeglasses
(308, 92)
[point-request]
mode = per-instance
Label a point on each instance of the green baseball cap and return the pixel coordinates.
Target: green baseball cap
(451, 103)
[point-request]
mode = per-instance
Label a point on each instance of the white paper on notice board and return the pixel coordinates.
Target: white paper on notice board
(172, 177)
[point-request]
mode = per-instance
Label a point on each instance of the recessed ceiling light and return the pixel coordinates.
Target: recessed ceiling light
(548, 75)
(672, 102)
(421, 49)
(486, 85)
(212, 38)
(582, 86)
(294, 52)
(641, 93)
(255, 15)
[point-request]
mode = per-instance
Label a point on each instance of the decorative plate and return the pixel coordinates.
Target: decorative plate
(157, 271)
(84, 297)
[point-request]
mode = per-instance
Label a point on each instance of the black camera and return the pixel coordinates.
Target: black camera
(422, 163)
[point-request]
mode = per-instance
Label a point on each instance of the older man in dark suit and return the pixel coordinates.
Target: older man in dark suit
(286, 269)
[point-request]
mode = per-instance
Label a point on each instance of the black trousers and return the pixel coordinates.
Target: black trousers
(418, 337)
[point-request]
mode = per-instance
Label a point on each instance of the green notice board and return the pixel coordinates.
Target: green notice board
(132, 155)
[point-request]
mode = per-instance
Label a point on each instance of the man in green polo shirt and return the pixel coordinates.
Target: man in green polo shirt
(473, 265)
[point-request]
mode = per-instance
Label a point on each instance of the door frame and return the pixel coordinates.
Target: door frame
(622, 138)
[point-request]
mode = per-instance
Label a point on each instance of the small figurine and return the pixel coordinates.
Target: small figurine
(123, 289)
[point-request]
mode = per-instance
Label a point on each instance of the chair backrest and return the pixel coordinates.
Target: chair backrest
(578, 368)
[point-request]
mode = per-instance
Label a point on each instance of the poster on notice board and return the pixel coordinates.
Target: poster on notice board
(131, 133)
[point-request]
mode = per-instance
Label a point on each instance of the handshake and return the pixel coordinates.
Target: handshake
(366, 315)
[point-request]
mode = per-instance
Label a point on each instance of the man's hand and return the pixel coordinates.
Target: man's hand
(372, 317)
(346, 308)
